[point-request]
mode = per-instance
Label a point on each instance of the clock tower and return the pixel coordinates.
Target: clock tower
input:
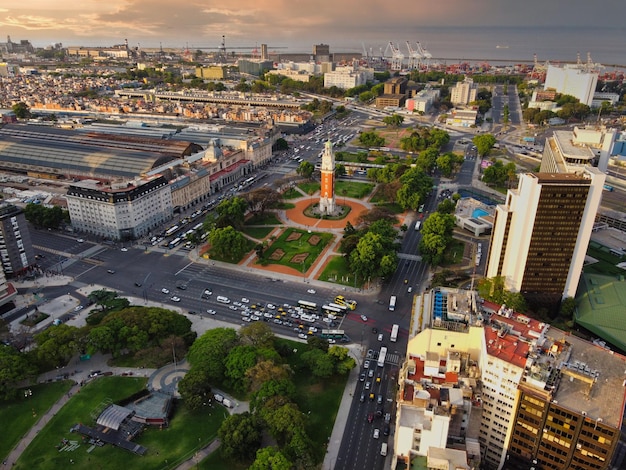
(327, 191)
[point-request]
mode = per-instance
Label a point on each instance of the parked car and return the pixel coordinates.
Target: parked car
(366, 364)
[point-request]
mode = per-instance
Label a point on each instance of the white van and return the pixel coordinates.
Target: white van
(223, 300)
(383, 449)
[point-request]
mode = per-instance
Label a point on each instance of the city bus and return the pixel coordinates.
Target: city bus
(341, 308)
(171, 230)
(382, 356)
(394, 333)
(175, 242)
(329, 310)
(392, 303)
(341, 300)
(332, 334)
(305, 304)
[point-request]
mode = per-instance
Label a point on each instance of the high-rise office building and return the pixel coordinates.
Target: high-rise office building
(574, 80)
(16, 249)
(541, 232)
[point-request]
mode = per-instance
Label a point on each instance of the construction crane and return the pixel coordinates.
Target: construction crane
(397, 57)
(415, 58)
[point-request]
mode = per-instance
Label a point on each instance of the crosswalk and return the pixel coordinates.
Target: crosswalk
(393, 359)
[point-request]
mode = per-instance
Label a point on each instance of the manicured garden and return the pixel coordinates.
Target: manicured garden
(297, 249)
(292, 193)
(167, 448)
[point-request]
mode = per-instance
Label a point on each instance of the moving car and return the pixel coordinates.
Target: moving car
(363, 317)
(111, 271)
(175, 299)
(376, 433)
(165, 291)
(311, 291)
(211, 311)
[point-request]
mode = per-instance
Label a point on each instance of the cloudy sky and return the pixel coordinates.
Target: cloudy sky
(174, 23)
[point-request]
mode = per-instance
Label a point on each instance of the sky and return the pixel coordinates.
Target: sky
(293, 23)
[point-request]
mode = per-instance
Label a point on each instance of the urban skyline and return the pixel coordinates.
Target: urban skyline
(152, 23)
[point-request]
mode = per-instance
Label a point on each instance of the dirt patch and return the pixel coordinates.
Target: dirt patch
(314, 240)
(299, 258)
(277, 254)
(293, 236)
(296, 214)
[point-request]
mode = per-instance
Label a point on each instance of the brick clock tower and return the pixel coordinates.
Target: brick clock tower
(327, 191)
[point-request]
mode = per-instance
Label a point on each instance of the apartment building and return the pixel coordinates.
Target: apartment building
(541, 232)
(463, 92)
(119, 211)
(572, 79)
(523, 395)
(16, 249)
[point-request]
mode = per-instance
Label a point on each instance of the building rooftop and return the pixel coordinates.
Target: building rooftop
(590, 379)
(561, 178)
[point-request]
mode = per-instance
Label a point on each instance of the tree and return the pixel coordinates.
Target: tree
(372, 257)
(305, 169)
(371, 139)
(283, 421)
(270, 458)
(568, 307)
(281, 144)
(227, 243)
(21, 110)
(415, 187)
(195, 389)
(238, 361)
(340, 170)
(484, 143)
(318, 362)
(274, 387)
(231, 212)
(14, 368)
(257, 334)
(446, 206)
(240, 435)
(344, 363)
(260, 199)
(209, 351)
(436, 236)
(45, 217)
(395, 120)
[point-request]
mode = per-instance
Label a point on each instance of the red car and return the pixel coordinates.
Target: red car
(370, 417)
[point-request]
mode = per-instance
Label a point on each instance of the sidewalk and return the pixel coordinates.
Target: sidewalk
(334, 443)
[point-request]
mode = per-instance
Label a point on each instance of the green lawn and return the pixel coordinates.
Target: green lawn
(294, 247)
(258, 232)
(292, 193)
(310, 187)
(337, 271)
(216, 462)
(186, 433)
(454, 253)
(353, 189)
(23, 412)
(268, 218)
(319, 397)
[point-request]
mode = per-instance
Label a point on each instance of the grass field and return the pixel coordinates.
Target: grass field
(310, 187)
(295, 247)
(258, 232)
(291, 194)
(268, 218)
(167, 448)
(454, 253)
(353, 189)
(24, 412)
(337, 271)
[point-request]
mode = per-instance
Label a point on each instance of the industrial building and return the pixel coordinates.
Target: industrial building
(541, 233)
(394, 93)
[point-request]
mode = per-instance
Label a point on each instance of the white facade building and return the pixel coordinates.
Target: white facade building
(346, 78)
(572, 80)
(118, 212)
(464, 92)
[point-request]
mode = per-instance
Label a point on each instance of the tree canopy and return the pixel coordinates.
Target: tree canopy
(228, 243)
(484, 143)
(231, 212)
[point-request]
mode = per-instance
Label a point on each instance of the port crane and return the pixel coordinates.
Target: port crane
(415, 58)
(425, 54)
(397, 57)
